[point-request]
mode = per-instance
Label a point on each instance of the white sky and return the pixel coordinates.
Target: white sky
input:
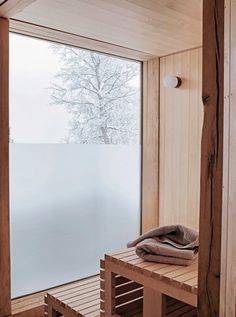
(32, 68)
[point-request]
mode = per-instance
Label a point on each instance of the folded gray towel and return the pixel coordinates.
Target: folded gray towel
(174, 244)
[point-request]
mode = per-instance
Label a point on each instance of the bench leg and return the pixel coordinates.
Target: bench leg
(51, 311)
(109, 293)
(154, 303)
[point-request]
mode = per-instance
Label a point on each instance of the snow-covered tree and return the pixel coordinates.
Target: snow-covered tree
(101, 94)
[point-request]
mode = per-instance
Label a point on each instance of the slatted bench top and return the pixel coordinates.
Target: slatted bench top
(183, 277)
(171, 279)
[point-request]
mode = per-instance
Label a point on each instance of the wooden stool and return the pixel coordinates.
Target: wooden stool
(77, 299)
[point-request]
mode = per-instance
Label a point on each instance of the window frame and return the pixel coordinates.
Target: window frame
(149, 130)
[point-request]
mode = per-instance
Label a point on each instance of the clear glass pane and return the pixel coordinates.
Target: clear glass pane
(74, 160)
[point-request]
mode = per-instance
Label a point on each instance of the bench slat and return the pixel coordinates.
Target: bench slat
(78, 291)
(121, 252)
(87, 305)
(126, 297)
(83, 299)
(181, 271)
(74, 285)
(90, 309)
(124, 288)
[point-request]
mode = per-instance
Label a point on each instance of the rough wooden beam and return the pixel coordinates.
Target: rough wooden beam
(9, 8)
(211, 159)
(5, 298)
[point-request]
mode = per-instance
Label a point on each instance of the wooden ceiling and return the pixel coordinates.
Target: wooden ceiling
(156, 27)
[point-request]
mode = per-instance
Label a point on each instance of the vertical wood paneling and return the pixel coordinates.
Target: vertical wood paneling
(181, 115)
(211, 160)
(228, 254)
(5, 300)
(150, 144)
(225, 197)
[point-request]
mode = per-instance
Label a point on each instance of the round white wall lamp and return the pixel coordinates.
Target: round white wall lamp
(171, 81)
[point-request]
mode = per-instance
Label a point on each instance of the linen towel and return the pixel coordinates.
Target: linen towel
(173, 244)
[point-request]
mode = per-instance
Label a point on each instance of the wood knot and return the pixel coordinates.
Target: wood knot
(205, 99)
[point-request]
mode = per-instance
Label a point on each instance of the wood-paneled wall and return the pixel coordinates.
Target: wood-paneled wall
(181, 117)
(150, 157)
(228, 246)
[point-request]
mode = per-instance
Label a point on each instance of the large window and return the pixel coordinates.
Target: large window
(75, 120)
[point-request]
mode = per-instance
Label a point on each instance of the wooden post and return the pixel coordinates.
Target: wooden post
(109, 292)
(211, 159)
(154, 303)
(5, 294)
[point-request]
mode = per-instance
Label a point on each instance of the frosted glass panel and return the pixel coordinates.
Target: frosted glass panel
(69, 205)
(75, 158)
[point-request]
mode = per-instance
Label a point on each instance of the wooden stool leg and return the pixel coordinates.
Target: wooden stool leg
(51, 312)
(154, 303)
(109, 293)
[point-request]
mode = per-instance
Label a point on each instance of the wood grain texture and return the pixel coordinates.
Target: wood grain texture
(11, 7)
(211, 159)
(5, 299)
(181, 118)
(228, 254)
(150, 150)
(76, 40)
(157, 27)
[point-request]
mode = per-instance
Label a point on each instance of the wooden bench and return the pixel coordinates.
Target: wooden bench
(82, 296)
(168, 290)
(122, 293)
